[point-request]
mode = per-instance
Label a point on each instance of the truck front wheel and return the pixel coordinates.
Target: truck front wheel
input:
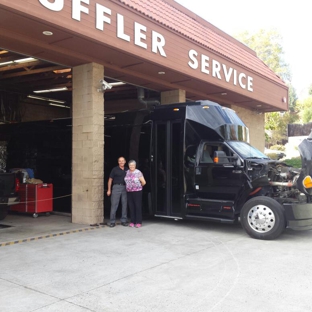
(3, 211)
(263, 218)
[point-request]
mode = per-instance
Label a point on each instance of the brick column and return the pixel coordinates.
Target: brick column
(255, 124)
(173, 96)
(88, 145)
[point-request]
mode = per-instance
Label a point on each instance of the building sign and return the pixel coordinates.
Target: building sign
(201, 62)
(103, 17)
(215, 68)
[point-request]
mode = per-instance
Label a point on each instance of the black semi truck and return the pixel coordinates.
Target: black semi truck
(195, 158)
(198, 165)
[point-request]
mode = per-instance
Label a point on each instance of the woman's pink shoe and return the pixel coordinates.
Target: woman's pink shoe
(138, 225)
(131, 224)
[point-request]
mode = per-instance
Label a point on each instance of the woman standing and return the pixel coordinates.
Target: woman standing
(134, 184)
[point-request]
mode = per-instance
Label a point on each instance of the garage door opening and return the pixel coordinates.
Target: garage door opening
(35, 118)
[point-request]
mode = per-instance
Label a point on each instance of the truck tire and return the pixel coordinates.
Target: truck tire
(3, 211)
(263, 218)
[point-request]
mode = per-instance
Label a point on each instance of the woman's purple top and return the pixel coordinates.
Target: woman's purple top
(132, 180)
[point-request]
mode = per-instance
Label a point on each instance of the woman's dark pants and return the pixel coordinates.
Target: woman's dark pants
(135, 205)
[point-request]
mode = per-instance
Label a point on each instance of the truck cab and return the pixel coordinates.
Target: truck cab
(199, 165)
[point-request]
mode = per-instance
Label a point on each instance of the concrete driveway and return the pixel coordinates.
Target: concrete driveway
(163, 266)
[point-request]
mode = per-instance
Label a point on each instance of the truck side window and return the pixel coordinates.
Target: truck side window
(206, 156)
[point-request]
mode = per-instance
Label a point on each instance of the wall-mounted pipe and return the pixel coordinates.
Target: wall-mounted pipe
(141, 99)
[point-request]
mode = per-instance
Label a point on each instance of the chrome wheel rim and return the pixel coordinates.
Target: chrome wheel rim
(261, 218)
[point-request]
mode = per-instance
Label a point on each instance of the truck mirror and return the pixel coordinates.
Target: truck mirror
(219, 157)
(237, 161)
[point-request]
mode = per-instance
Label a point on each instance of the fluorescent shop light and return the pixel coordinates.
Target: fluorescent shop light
(45, 99)
(51, 90)
(25, 60)
(6, 63)
(117, 83)
(59, 105)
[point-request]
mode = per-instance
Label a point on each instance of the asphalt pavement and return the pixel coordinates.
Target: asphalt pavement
(49, 264)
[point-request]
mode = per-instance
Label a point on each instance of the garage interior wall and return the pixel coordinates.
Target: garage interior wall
(33, 112)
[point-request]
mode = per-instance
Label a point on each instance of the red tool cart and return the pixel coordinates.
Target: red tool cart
(35, 199)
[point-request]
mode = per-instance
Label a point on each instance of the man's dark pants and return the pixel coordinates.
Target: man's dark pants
(118, 193)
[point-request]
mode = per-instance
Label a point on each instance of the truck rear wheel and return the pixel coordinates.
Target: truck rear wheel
(3, 211)
(263, 218)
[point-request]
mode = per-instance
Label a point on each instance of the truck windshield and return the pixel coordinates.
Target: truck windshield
(246, 151)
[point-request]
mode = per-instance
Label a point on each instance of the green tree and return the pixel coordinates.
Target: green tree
(305, 108)
(292, 97)
(268, 46)
(276, 125)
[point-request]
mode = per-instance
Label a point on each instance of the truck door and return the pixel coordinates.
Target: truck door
(220, 181)
(167, 172)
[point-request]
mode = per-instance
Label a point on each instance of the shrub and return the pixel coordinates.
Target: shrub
(272, 155)
(294, 162)
(278, 147)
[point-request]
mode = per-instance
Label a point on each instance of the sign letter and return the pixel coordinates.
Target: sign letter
(56, 6)
(240, 80)
(100, 17)
(192, 55)
(78, 8)
(216, 67)
(249, 83)
(139, 33)
(205, 64)
(158, 43)
(227, 73)
(235, 77)
(121, 28)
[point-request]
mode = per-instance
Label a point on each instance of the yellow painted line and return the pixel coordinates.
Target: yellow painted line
(50, 235)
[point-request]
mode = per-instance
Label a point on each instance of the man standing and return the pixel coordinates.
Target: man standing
(116, 188)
